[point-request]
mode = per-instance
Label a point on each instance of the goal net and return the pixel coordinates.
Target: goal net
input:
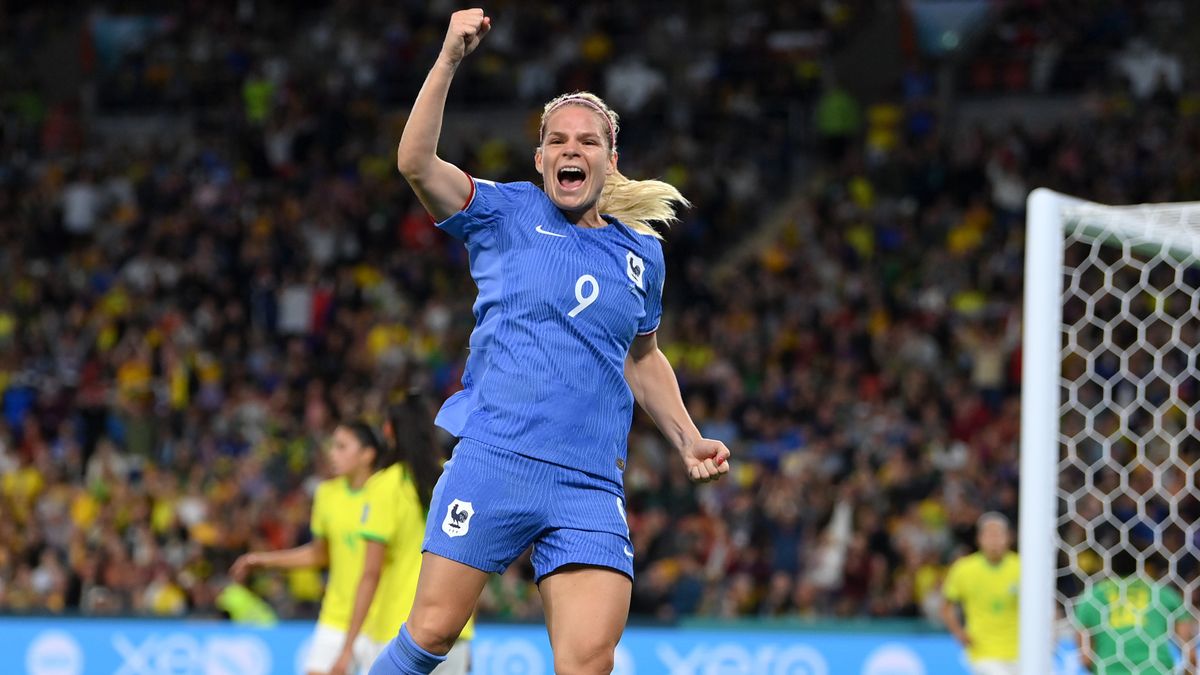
(1110, 441)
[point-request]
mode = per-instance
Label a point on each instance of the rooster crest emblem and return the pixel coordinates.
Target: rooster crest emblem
(634, 266)
(458, 518)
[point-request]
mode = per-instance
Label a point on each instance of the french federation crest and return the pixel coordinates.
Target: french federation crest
(635, 267)
(458, 518)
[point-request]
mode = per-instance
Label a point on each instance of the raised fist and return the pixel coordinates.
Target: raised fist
(467, 28)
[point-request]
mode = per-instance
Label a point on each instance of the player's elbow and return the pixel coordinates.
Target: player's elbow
(413, 163)
(410, 169)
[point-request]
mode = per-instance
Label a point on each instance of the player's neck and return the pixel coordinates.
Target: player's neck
(590, 219)
(357, 479)
(997, 560)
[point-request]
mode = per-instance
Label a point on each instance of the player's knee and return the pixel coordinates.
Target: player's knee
(432, 633)
(588, 656)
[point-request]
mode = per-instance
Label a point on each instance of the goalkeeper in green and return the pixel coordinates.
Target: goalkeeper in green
(1127, 623)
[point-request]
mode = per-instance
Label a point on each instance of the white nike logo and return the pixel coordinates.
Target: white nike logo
(552, 234)
(628, 552)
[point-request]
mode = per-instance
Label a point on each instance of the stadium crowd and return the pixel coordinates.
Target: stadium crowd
(183, 321)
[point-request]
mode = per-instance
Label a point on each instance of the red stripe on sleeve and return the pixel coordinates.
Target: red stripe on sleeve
(471, 196)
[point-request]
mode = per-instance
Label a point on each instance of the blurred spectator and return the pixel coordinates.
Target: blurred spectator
(838, 120)
(1150, 71)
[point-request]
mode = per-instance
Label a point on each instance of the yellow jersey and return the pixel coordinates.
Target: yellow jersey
(337, 514)
(988, 594)
(395, 518)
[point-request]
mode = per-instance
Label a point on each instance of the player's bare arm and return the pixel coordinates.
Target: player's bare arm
(313, 554)
(442, 187)
(954, 624)
(373, 562)
(656, 389)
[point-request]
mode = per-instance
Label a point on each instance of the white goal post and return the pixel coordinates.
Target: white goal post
(1111, 332)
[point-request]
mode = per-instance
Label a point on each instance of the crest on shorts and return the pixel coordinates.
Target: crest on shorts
(458, 518)
(634, 268)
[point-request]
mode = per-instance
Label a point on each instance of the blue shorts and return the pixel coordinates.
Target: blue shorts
(490, 504)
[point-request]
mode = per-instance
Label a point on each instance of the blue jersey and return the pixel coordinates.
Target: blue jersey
(558, 308)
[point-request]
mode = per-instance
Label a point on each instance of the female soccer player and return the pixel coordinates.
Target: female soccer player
(355, 453)
(393, 525)
(570, 283)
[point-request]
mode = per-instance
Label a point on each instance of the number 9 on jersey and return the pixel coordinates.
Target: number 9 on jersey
(585, 298)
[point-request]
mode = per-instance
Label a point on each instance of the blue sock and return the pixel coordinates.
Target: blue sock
(403, 656)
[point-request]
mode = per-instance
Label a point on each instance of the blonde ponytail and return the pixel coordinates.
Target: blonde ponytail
(637, 203)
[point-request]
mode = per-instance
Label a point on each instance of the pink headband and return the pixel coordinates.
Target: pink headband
(612, 133)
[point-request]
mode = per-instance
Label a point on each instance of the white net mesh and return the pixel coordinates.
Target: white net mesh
(1130, 410)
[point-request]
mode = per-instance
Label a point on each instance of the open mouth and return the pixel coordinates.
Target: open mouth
(571, 177)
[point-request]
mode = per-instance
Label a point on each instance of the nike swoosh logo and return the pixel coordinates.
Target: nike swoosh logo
(552, 234)
(628, 552)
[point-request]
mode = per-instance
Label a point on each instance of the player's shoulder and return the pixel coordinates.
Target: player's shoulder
(647, 246)
(649, 243)
(970, 561)
(516, 190)
(973, 566)
(490, 199)
(644, 240)
(329, 487)
(329, 496)
(384, 480)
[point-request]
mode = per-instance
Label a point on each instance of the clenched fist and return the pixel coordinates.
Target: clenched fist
(467, 28)
(706, 460)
